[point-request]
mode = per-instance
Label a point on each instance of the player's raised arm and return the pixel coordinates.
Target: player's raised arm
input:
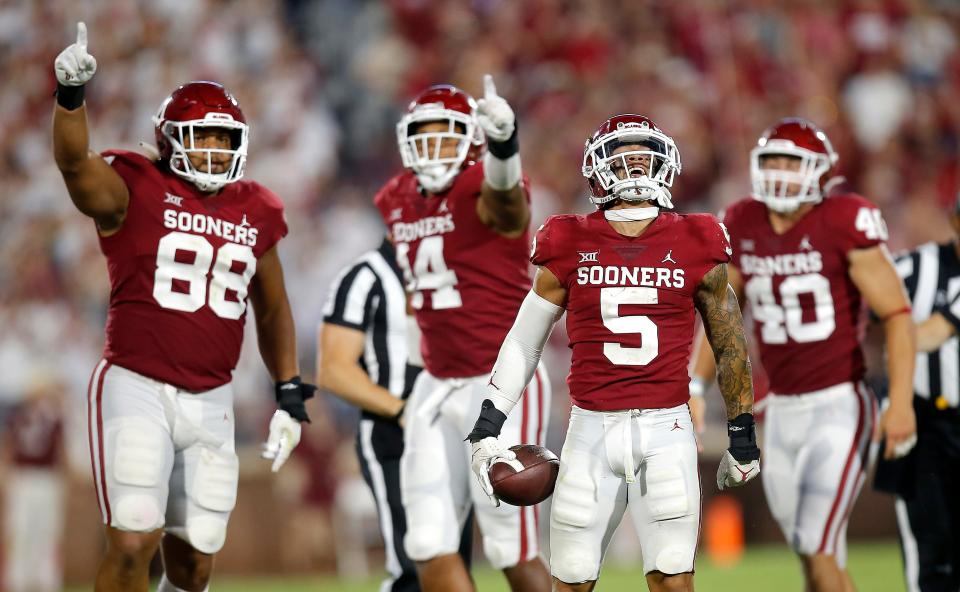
(503, 204)
(278, 348)
(874, 274)
(95, 188)
(717, 304)
(516, 363)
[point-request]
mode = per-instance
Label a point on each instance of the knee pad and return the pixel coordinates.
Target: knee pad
(137, 512)
(138, 464)
(666, 492)
(213, 490)
(674, 559)
(426, 541)
(206, 533)
(501, 553)
(574, 565)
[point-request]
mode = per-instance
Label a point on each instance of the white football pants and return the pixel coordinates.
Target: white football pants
(644, 459)
(162, 457)
(816, 450)
(437, 483)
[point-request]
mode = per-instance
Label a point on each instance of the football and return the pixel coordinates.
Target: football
(532, 483)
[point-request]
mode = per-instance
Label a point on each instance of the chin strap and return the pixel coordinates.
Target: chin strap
(631, 214)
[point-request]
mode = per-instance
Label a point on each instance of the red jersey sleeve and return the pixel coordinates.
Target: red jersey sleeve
(857, 222)
(714, 238)
(546, 244)
(276, 227)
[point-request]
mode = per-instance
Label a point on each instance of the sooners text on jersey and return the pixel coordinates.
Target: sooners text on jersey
(630, 309)
(465, 281)
(807, 311)
(180, 267)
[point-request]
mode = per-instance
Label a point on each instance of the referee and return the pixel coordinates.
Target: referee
(363, 358)
(927, 481)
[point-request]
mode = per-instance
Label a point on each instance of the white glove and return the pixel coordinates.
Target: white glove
(284, 437)
(485, 453)
(494, 114)
(74, 66)
(732, 473)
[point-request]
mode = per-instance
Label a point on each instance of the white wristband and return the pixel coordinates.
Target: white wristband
(502, 175)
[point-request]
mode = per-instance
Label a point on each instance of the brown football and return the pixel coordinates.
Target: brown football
(531, 485)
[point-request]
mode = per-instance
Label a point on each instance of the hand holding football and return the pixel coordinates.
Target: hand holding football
(529, 479)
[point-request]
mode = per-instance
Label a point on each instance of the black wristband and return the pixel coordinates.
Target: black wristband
(70, 97)
(743, 438)
(291, 395)
(488, 424)
(507, 148)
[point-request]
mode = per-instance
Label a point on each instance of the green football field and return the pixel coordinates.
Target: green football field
(876, 567)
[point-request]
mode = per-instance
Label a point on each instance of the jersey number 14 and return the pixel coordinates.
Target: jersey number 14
(429, 272)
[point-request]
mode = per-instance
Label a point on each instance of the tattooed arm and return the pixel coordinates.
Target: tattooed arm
(718, 307)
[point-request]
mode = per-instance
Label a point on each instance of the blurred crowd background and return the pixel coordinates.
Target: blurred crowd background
(323, 83)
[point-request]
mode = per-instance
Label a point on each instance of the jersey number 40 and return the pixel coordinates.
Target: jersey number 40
(183, 286)
(782, 317)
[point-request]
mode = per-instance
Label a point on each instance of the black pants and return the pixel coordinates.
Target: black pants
(929, 512)
(379, 446)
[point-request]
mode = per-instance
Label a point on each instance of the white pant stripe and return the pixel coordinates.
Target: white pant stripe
(911, 557)
(383, 508)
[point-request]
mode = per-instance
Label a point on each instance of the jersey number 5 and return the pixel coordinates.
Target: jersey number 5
(190, 279)
(610, 301)
(429, 272)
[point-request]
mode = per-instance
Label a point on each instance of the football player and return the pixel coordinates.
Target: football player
(629, 277)
(458, 218)
(806, 254)
(186, 241)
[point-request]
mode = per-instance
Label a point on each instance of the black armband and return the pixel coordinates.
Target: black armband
(507, 148)
(743, 438)
(488, 424)
(69, 97)
(291, 395)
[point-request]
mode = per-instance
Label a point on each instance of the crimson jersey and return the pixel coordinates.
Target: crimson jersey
(630, 309)
(465, 281)
(180, 266)
(35, 433)
(806, 309)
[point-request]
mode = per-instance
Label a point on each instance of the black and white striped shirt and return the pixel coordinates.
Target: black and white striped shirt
(368, 296)
(931, 274)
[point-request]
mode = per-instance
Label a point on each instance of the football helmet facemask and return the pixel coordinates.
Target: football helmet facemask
(420, 151)
(646, 159)
(198, 105)
(785, 190)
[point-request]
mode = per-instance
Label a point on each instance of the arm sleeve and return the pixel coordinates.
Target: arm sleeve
(521, 350)
(350, 302)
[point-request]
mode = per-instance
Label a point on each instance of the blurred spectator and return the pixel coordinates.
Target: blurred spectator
(33, 463)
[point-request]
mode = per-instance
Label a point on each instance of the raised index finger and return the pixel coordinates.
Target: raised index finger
(489, 88)
(82, 34)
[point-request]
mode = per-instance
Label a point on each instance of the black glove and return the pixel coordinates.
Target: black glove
(291, 395)
(743, 438)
